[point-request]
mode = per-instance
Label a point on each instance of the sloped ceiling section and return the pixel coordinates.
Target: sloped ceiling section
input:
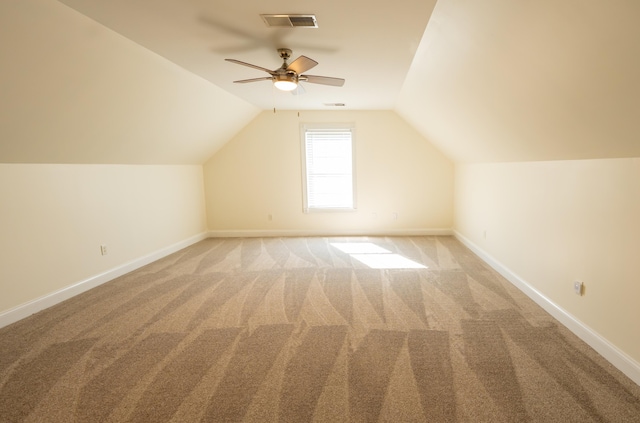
(503, 80)
(490, 81)
(73, 91)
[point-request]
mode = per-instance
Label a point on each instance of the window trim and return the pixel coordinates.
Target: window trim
(341, 126)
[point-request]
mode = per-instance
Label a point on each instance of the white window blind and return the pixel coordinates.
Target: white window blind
(329, 181)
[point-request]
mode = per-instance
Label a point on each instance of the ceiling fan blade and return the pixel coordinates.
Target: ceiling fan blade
(244, 81)
(324, 80)
(238, 62)
(302, 64)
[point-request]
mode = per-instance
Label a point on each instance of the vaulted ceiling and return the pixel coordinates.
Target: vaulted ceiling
(116, 81)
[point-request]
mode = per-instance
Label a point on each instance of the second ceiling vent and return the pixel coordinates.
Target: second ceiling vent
(290, 21)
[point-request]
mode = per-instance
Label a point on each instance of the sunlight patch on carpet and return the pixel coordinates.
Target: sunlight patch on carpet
(375, 256)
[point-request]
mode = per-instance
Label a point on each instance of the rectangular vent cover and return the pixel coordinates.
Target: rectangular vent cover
(290, 21)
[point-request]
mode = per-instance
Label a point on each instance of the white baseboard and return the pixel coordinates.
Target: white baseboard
(610, 352)
(46, 301)
(266, 233)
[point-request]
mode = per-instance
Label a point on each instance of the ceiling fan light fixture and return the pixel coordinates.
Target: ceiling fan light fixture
(285, 85)
(285, 82)
(287, 76)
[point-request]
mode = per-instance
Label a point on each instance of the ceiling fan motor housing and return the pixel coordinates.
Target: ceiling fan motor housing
(286, 76)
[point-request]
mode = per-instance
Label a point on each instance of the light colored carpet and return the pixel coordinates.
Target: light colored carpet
(297, 330)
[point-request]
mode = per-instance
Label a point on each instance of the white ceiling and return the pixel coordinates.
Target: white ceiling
(141, 81)
(370, 44)
(497, 80)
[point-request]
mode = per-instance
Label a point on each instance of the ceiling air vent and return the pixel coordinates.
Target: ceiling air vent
(290, 21)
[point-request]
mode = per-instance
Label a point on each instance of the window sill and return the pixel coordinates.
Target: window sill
(330, 210)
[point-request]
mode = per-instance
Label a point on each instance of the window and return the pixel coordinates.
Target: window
(328, 167)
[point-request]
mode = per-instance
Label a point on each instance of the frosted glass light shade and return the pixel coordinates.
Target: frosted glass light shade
(285, 85)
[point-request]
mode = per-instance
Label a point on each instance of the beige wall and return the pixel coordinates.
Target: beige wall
(55, 217)
(551, 223)
(258, 173)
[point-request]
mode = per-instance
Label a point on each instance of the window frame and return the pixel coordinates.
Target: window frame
(338, 127)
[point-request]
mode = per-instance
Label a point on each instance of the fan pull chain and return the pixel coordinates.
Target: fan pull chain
(273, 97)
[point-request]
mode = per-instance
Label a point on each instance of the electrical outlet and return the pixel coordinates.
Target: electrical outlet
(103, 249)
(577, 287)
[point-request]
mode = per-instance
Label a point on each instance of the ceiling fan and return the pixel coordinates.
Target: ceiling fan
(287, 76)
